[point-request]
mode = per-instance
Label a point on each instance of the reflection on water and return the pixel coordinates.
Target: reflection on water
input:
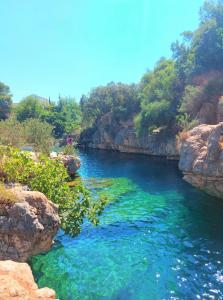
(158, 239)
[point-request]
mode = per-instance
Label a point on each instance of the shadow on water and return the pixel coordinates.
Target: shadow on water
(161, 240)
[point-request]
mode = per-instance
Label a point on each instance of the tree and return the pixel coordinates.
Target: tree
(39, 135)
(159, 94)
(5, 101)
(202, 50)
(119, 99)
(12, 132)
(30, 108)
(65, 117)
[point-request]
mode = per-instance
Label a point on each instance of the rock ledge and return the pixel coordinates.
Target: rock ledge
(17, 283)
(201, 158)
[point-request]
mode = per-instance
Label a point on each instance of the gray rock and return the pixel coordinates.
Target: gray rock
(110, 133)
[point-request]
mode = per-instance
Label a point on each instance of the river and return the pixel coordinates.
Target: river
(159, 238)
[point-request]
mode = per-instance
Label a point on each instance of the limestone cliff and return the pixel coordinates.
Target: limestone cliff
(201, 158)
(111, 133)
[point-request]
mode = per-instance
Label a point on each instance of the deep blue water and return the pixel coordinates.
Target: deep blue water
(160, 238)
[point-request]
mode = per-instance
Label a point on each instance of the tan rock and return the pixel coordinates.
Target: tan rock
(28, 226)
(201, 158)
(17, 283)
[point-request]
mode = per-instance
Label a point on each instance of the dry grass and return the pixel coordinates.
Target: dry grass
(7, 197)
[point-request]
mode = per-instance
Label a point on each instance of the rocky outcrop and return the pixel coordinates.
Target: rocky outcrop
(27, 225)
(111, 133)
(71, 162)
(201, 158)
(17, 282)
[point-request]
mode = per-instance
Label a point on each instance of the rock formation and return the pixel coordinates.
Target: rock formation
(201, 158)
(27, 226)
(71, 162)
(17, 283)
(110, 133)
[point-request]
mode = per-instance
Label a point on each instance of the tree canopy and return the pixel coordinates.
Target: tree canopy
(5, 101)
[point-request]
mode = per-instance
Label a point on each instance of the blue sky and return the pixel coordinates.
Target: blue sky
(49, 47)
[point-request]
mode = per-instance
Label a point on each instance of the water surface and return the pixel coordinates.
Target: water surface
(159, 238)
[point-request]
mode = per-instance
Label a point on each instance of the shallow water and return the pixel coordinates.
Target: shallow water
(158, 239)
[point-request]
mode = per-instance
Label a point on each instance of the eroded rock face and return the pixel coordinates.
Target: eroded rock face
(17, 282)
(110, 133)
(28, 226)
(71, 162)
(201, 158)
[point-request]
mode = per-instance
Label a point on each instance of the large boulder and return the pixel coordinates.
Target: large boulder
(27, 225)
(201, 158)
(71, 162)
(17, 282)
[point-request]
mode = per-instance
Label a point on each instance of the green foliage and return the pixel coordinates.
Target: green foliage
(30, 132)
(12, 132)
(65, 117)
(29, 108)
(185, 123)
(39, 135)
(203, 51)
(191, 101)
(194, 97)
(5, 101)
(120, 99)
(68, 150)
(159, 95)
(50, 177)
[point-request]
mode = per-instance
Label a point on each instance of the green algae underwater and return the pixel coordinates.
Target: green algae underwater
(158, 238)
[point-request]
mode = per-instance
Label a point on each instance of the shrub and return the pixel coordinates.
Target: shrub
(153, 115)
(32, 132)
(69, 150)
(185, 123)
(12, 132)
(192, 100)
(50, 177)
(39, 135)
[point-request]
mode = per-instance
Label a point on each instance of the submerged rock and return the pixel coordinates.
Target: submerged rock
(27, 225)
(201, 158)
(17, 282)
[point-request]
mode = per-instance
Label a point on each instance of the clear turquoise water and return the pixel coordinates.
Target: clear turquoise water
(159, 239)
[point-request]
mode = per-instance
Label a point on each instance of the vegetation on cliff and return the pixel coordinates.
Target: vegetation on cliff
(180, 92)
